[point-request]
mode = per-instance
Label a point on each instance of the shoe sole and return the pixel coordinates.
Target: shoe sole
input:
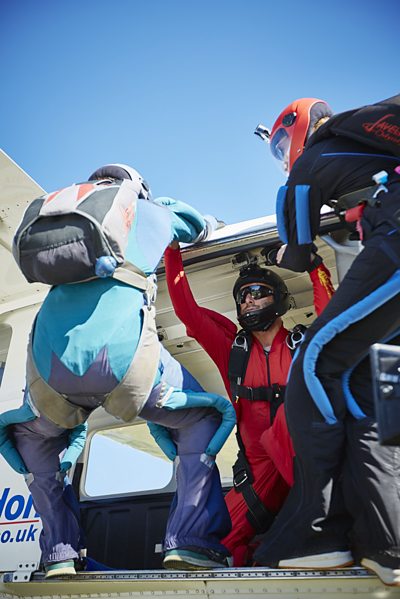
(60, 572)
(327, 561)
(175, 563)
(387, 575)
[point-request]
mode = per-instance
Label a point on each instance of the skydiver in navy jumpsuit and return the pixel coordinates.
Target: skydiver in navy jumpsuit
(347, 486)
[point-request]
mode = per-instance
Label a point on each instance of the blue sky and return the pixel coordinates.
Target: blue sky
(176, 87)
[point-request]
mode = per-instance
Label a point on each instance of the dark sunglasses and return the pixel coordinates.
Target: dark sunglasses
(256, 291)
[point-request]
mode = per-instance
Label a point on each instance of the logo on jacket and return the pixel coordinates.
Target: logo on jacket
(326, 283)
(384, 129)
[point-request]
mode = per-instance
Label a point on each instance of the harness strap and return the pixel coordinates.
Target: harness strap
(258, 515)
(238, 360)
(53, 405)
(260, 393)
(132, 275)
(130, 395)
(124, 402)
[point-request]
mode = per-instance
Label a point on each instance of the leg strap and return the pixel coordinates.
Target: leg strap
(258, 515)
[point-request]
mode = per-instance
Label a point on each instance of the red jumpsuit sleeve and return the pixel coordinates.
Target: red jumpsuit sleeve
(213, 331)
(322, 287)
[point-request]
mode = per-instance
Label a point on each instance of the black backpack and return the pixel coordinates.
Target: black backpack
(376, 125)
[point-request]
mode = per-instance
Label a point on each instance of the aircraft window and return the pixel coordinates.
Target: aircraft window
(5, 339)
(126, 460)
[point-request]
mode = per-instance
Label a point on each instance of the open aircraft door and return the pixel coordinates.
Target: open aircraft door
(125, 499)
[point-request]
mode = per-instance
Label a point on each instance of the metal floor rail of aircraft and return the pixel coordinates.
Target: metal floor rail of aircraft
(227, 583)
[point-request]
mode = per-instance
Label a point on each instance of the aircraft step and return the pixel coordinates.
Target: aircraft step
(226, 583)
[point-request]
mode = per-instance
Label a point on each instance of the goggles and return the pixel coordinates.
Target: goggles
(256, 291)
(280, 144)
(281, 140)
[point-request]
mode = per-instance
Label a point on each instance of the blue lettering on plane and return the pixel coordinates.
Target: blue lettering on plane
(6, 536)
(17, 509)
(14, 507)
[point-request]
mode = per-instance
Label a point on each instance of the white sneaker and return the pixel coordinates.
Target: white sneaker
(321, 561)
(387, 569)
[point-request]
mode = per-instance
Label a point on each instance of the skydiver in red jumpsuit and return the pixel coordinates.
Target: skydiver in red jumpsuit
(261, 298)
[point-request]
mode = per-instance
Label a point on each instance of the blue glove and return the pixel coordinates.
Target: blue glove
(188, 224)
(179, 400)
(7, 447)
(163, 439)
(164, 201)
(77, 438)
(12, 455)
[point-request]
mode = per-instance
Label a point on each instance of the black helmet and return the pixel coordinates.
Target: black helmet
(261, 320)
(122, 171)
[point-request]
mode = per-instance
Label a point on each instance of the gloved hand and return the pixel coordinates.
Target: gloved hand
(7, 447)
(163, 439)
(164, 201)
(211, 226)
(77, 438)
(188, 224)
(12, 455)
(297, 258)
(179, 400)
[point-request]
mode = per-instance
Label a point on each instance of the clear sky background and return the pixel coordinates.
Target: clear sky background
(176, 88)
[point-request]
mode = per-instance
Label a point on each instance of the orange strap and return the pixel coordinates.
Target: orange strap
(354, 214)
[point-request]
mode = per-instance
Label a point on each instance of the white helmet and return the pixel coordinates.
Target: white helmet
(122, 171)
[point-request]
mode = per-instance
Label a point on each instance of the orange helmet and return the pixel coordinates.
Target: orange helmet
(293, 127)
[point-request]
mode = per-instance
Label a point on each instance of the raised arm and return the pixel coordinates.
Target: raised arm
(214, 332)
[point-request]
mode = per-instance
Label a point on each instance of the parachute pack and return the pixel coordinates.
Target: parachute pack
(67, 236)
(377, 125)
